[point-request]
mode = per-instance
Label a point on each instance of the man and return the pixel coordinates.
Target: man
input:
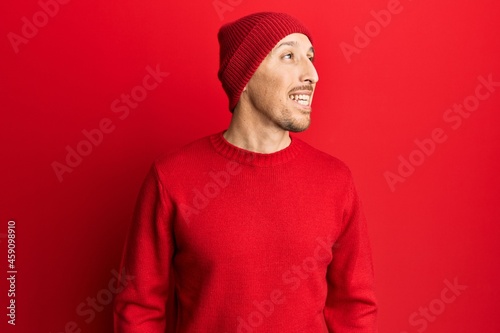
(251, 229)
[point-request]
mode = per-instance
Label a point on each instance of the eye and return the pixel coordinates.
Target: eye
(311, 58)
(288, 56)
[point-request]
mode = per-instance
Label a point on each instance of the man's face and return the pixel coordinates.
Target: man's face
(282, 88)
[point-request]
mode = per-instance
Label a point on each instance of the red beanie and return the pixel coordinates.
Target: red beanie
(245, 43)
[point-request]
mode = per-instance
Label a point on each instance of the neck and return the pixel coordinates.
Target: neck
(252, 135)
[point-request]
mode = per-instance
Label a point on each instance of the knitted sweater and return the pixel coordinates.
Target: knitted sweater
(225, 240)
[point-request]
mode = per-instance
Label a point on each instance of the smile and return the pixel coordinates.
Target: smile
(301, 99)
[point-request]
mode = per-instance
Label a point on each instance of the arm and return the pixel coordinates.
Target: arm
(146, 301)
(350, 304)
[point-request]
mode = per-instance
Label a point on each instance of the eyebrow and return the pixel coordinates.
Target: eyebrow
(293, 44)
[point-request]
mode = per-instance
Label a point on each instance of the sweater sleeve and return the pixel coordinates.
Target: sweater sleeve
(146, 304)
(350, 305)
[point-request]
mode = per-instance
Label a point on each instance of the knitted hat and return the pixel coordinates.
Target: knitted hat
(245, 43)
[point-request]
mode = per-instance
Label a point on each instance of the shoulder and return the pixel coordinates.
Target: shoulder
(186, 158)
(321, 159)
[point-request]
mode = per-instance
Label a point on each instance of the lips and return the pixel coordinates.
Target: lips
(302, 95)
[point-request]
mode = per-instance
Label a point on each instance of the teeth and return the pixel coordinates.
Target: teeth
(301, 99)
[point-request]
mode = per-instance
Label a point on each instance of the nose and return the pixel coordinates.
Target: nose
(308, 71)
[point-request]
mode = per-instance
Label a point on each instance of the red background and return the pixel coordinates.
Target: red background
(440, 224)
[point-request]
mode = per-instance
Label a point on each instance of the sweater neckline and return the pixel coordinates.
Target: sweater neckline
(243, 156)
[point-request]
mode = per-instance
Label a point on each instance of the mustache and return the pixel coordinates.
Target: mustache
(304, 87)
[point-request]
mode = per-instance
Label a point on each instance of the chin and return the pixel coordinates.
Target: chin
(297, 126)
(298, 129)
(294, 120)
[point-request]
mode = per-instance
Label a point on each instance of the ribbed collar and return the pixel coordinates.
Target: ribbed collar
(231, 152)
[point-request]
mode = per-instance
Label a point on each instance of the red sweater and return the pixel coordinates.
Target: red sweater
(229, 241)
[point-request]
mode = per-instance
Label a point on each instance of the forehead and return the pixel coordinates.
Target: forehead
(294, 40)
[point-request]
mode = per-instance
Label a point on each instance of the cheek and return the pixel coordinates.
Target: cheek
(269, 87)
(278, 88)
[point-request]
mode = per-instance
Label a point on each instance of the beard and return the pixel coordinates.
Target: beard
(290, 123)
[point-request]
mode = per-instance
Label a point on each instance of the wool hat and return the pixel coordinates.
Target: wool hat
(245, 43)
